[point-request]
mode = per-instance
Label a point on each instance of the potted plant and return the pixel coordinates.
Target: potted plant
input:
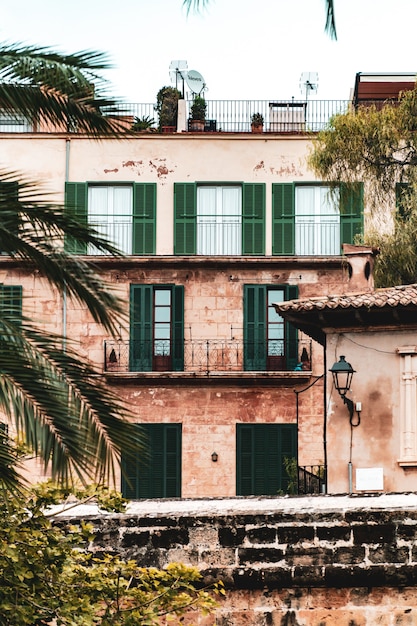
(198, 113)
(167, 108)
(257, 123)
(143, 124)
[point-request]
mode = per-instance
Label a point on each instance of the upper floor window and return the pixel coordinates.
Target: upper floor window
(313, 219)
(269, 342)
(219, 219)
(124, 214)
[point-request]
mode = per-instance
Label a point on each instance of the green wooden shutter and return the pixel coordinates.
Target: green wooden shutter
(260, 453)
(141, 304)
(76, 205)
(159, 476)
(10, 216)
(291, 333)
(144, 218)
(283, 219)
(11, 302)
(178, 328)
(254, 327)
(351, 212)
(185, 218)
(253, 218)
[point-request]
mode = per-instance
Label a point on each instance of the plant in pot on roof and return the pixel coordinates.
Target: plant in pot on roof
(257, 123)
(198, 113)
(167, 108)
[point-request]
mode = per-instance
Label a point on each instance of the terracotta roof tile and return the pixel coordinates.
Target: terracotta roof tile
(401, 296)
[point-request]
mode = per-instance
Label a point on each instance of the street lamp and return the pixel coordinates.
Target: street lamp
(342, 373)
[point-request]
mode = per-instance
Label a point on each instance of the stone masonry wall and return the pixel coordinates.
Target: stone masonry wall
(284, 561)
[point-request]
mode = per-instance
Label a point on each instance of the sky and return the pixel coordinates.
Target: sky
(244, 49)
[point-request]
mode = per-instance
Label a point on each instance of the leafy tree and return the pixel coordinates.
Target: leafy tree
(48, 576)
(377, 145)
(330, 26)
(59, 404)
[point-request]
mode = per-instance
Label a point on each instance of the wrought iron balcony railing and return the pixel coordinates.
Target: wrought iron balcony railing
(206, 356)
(311, 479)
(227, 116)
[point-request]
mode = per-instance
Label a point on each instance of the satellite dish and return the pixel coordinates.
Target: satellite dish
(178, 71)
(309, 82)
(195, 81)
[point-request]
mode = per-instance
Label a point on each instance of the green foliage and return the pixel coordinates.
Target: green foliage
(290, 465)
(257, 119)
(143, 123)
(64, 413)
(379, 147)
(47, 577)
(198, 108)
(167, 106)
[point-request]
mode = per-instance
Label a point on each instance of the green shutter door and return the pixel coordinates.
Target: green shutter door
(10, 217)
(291, 333)
(283, 219)
(144, 218)
(185, 218)
(351, 212)
(76, 205)
(159, 475)
(178, 328)
(140, 354)
(253, 219)
(260, 453)
(402, 198)
(254, 327)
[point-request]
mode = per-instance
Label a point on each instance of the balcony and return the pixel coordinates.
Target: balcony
(205, 356)
(226, 116)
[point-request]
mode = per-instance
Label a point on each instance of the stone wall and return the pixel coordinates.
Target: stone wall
(313, 561)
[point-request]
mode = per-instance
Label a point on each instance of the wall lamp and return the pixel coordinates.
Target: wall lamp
(342, 373)
(214, 457)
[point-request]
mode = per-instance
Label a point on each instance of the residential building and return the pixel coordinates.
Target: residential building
(215, 227)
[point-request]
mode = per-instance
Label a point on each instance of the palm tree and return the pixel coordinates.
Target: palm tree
(60, 406)
(330, 26)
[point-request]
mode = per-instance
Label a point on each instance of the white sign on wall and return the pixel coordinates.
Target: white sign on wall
(370, 479)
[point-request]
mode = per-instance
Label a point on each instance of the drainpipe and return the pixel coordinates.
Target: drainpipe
(64, 290)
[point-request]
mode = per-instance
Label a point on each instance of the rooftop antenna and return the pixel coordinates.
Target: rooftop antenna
(195, 82)
(177, 72)
(309, 83)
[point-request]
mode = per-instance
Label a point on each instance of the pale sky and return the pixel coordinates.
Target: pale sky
(245, 49)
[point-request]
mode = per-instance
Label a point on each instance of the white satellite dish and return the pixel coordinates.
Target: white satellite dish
(309, 83)
(195, 81)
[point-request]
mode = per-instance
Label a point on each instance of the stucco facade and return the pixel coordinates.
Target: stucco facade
(216, 388)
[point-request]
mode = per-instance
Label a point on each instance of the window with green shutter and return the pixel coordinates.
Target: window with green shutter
(261, 450)
(11, 302)
(270, 343)
(156, 328)
(10, 217)
(214, 219)
(123, 213)
(402, 199)
(156, 473)
(315, 219)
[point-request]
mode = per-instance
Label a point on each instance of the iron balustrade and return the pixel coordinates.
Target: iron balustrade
(317, 235)
(228, 116)
(203, 356)
(311, 479)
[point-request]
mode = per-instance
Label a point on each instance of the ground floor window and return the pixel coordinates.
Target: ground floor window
(261, 453)
(154, 472)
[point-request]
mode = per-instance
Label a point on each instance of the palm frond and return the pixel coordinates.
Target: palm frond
(330, 27)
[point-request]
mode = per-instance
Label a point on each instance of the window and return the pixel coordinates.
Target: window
(219, 219)
(261, 450)
(156, 328)
(269, 342)
(124, 214)
(157, 473)
(14, 123)
(11, 302)
(408, 406)
(310, 220)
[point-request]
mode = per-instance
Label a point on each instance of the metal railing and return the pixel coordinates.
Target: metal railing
(204, 356)
(228, 116)
(311, 479)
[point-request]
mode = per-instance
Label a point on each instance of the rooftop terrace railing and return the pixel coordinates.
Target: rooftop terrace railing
(227, 116)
